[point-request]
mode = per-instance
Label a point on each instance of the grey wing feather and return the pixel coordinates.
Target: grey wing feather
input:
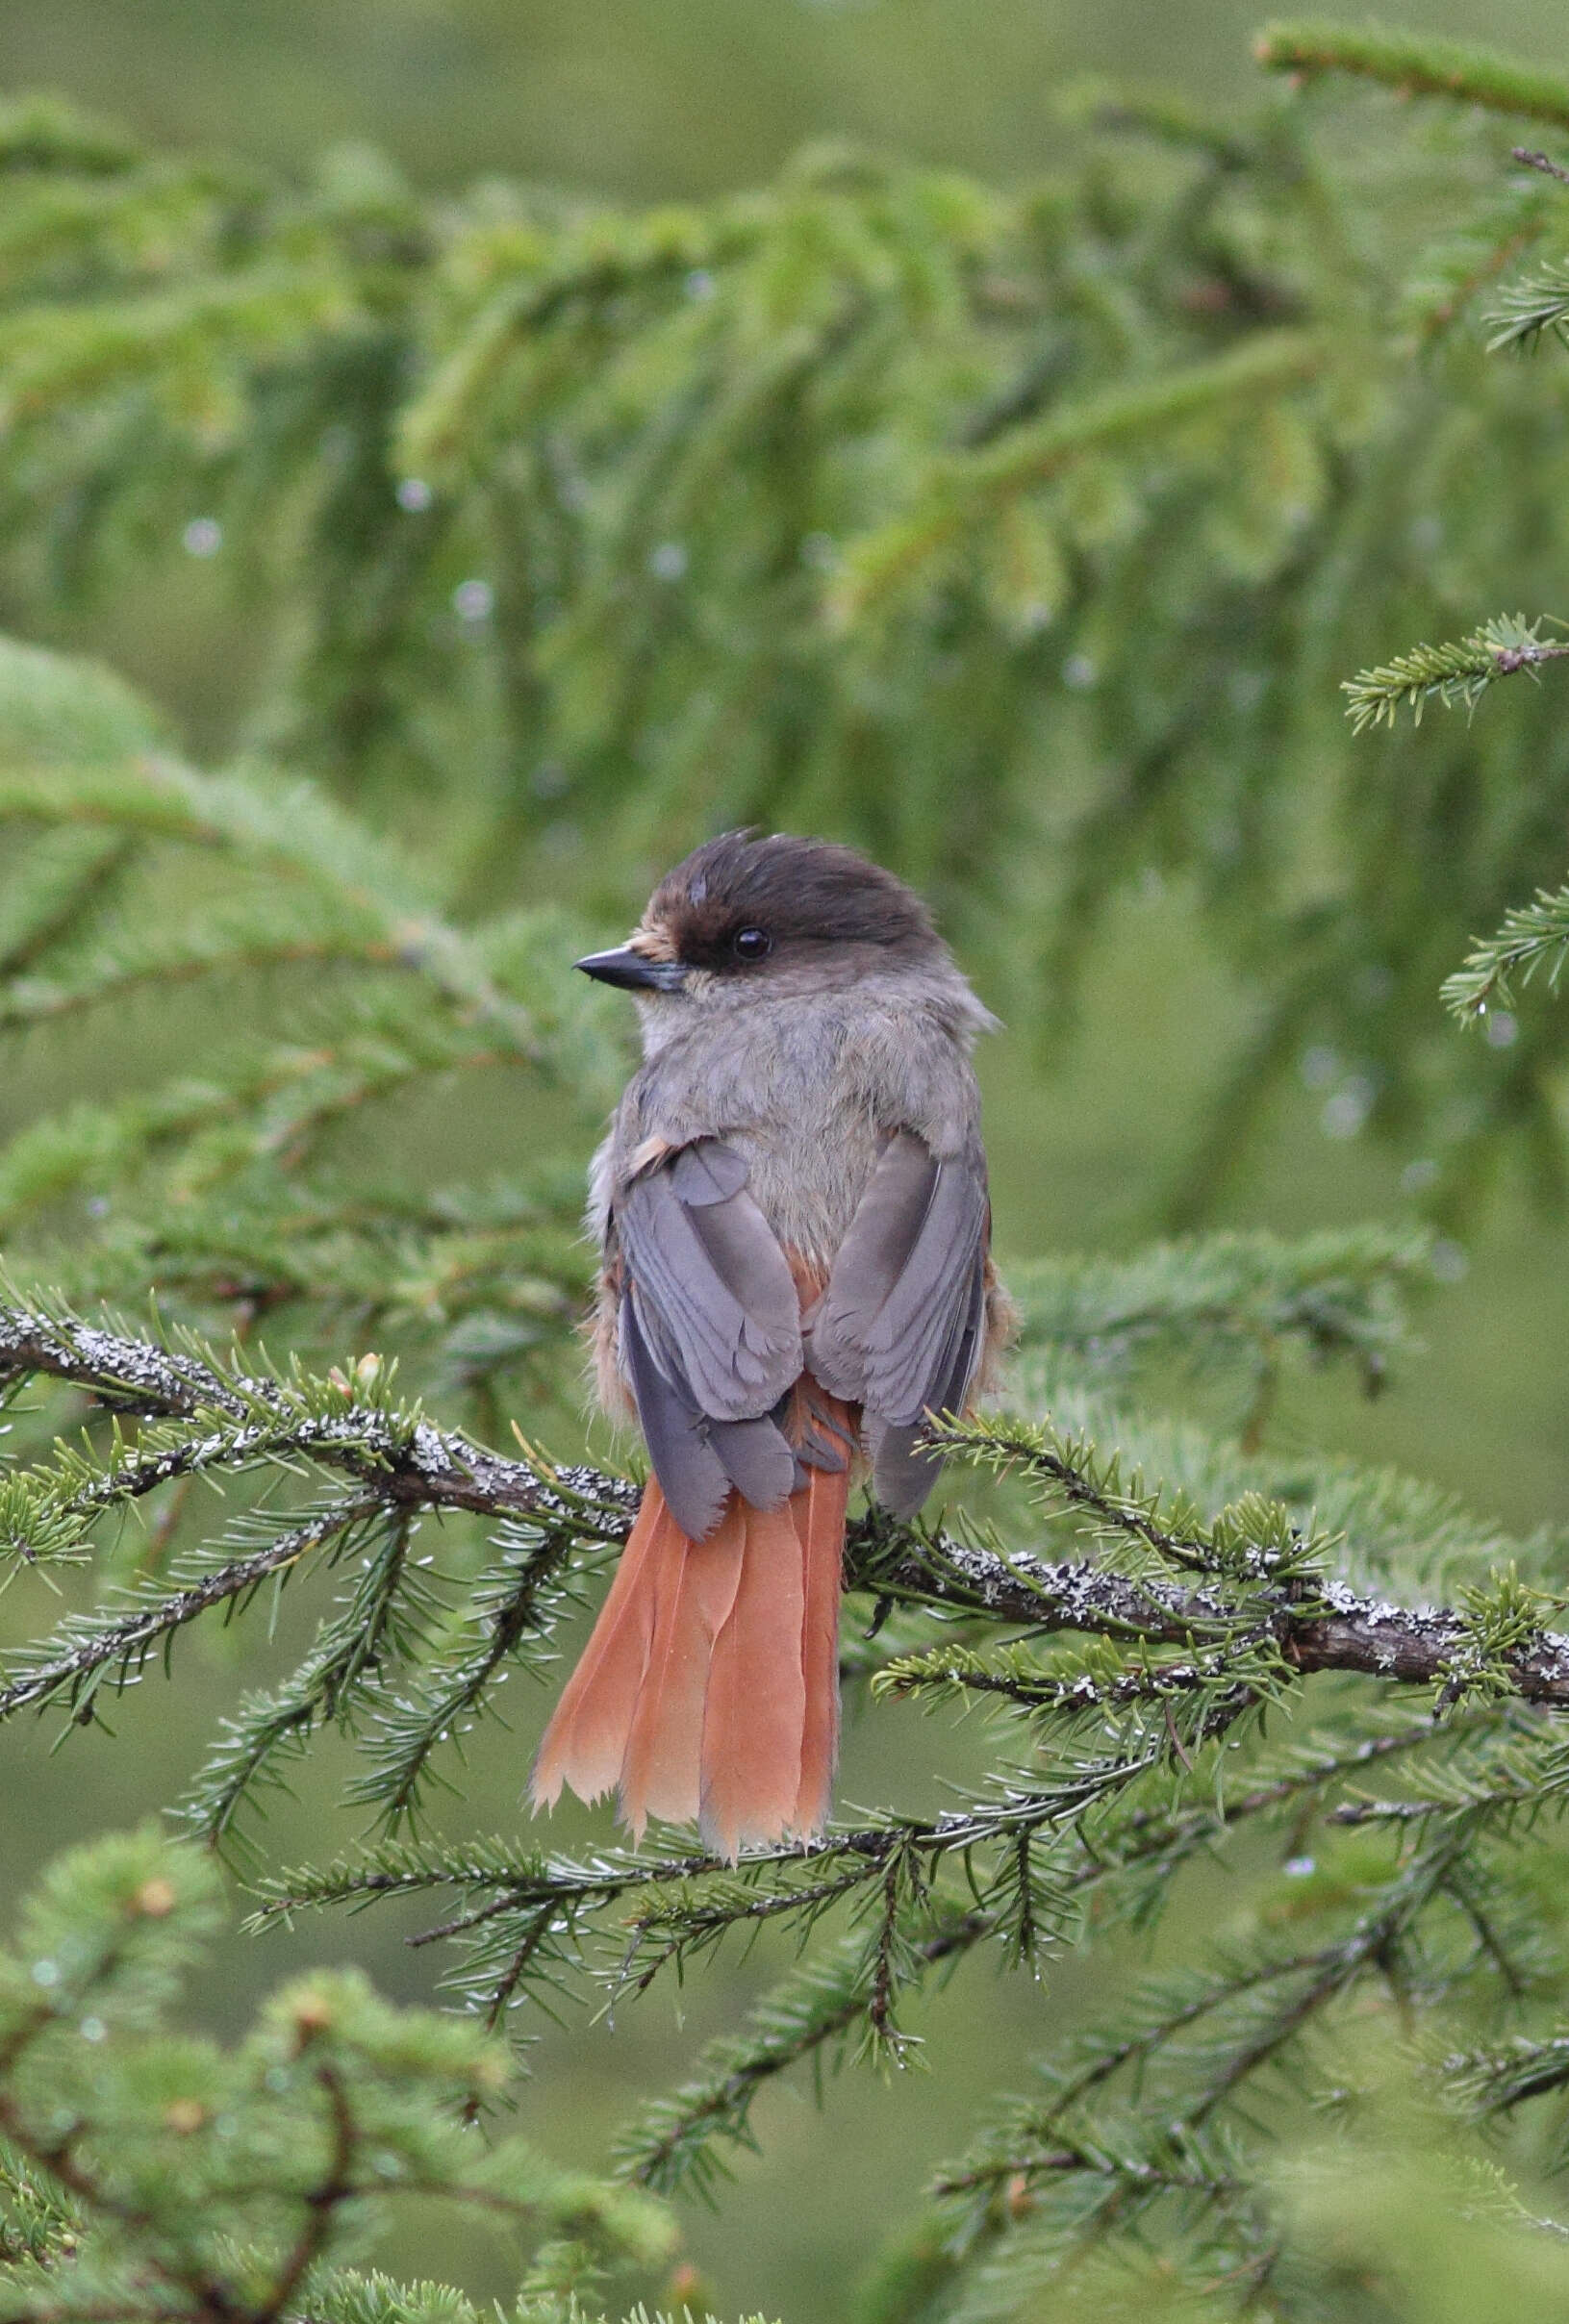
(904, 1467)
(710, 1333)
(870, 1261)
(713, 1293)
(687, 1467)
(757, 1457)
(913, 1341)
(707, 1173)
(900, 1325)
(967, 1354)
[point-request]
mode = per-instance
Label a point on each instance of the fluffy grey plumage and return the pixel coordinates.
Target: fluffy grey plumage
(805, 1122)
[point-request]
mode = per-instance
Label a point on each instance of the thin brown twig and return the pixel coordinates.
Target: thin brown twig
(1540, 160)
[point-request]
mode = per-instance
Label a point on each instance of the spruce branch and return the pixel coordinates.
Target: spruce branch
(1495, 2079)
(1457, 268)
(534, 1918)
(398, 1453)
(72, 880)
(968, 487)
(1331, 1295)
(1486, 1779)
(1541, 161)
(507, 1602)
(1533, 307)
(1255, 1539)
(1532, 937)
(383, 1618)
(1459, 673)
(1225, 1680)
(64, 355)
(203, 1417)
(72, 1665)
(1415, 65)
(1265, 2001)
(1255, 1570)
(288, 826)
(595, 268)
(671, 2143)
(222, 1182)
(228, 2188)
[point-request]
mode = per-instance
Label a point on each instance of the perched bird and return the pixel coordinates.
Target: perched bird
(792, 1208)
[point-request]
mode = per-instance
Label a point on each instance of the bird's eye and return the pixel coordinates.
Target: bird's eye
(752, 944)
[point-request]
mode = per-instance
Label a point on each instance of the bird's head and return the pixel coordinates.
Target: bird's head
(744, 918)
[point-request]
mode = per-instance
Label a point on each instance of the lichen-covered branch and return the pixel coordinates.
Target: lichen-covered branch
(404, 1462)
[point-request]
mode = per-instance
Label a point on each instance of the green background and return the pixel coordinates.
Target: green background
(668, 98)
(650, 102)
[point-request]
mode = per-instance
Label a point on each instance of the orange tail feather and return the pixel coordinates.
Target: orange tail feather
(585, 1740)
(709, 1689)
(818, 1512)
(695, 1589)
(754, 1713)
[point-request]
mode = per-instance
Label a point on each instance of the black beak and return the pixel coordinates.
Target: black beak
(634, 971)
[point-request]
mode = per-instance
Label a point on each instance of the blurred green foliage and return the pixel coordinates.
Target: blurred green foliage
(1023, 536)
(691, 97)
(1006, 482)
(148, 2175)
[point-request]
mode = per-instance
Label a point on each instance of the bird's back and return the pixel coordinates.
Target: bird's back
(808, 1090)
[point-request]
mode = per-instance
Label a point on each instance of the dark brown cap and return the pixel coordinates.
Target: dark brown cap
(793, 892)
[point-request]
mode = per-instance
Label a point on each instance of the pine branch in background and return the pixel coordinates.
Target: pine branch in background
(1194, 1623)
(969, 488)
(1226, 1306)
(1468, 263)
(1531, 309)
(876, 500)
(148, 2175)
(1019, 536)
(1415, 65)
(1533, 937)
(1461, 672)
(328, 987)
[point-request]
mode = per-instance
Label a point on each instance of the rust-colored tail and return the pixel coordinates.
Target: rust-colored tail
(709, 1690)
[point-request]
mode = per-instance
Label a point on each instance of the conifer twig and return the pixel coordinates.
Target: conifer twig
(417, 1465)
(1416, 65)
(1540, 160)
(1456, 673)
